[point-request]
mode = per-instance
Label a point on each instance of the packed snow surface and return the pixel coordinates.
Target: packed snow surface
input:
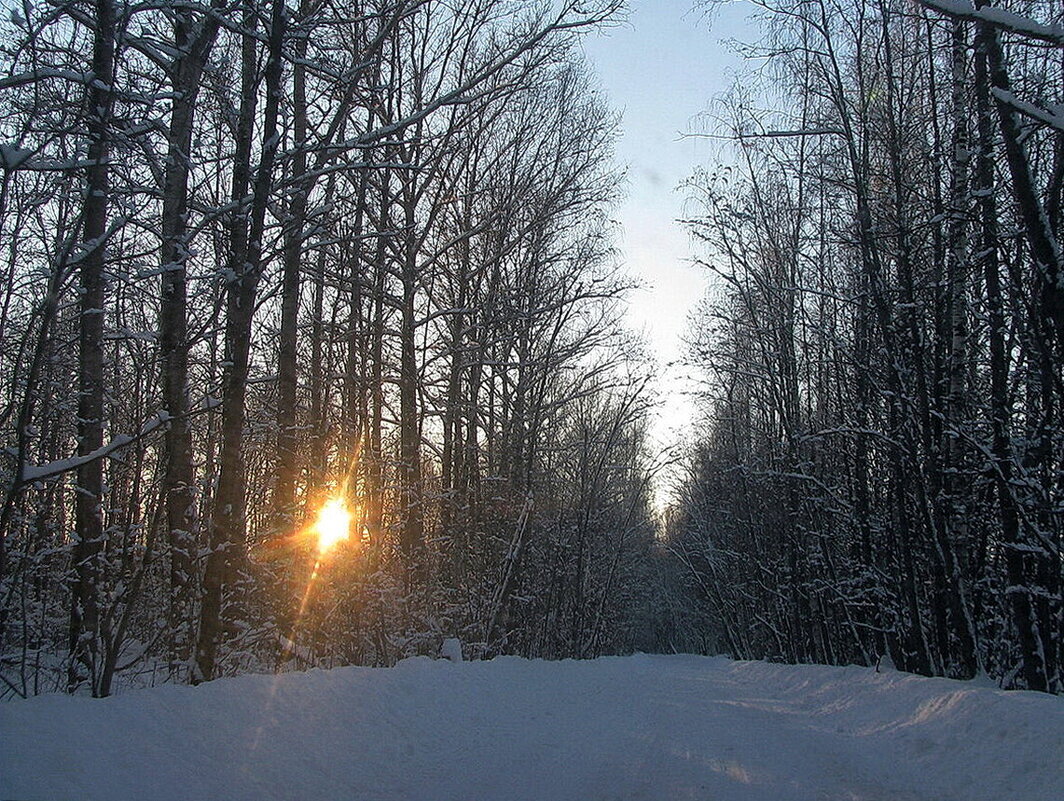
(643, 727)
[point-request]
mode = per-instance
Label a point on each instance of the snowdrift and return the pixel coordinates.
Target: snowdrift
(643, 727)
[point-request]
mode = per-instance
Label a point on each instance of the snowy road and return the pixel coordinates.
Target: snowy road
(644, 727)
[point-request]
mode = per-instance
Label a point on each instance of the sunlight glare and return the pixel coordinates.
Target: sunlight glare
(333, 525)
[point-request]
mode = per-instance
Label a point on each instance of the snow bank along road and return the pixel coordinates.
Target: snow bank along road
(643, 727)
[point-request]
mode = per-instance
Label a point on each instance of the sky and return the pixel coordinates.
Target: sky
(661, 71)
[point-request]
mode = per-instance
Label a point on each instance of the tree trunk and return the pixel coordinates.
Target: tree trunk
(179, 489)
(287, 467)
(227, 520)
(85, 634)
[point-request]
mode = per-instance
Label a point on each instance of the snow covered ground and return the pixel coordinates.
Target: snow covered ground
(644, 727)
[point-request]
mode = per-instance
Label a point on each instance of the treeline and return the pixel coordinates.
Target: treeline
(257, 255)
(883, 471)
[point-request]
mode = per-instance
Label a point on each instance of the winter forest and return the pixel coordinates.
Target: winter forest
(315, 351)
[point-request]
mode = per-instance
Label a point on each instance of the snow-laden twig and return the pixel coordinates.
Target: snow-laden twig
(999, 18)
(1050, 118)
(55, 468)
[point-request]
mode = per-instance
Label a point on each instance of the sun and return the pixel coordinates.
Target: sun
(333, 525)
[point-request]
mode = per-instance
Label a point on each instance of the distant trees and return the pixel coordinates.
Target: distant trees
(258, 254)
(882, 473)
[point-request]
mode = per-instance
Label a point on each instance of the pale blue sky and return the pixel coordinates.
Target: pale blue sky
(661, 70)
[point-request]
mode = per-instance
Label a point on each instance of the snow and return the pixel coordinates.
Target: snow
(451, 649)
(643, 727)
(12, 157)
(999, 17)
(1050, 118)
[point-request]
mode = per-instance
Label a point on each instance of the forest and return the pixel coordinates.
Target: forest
(258, 257)
(881, 474)
(313, 348)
